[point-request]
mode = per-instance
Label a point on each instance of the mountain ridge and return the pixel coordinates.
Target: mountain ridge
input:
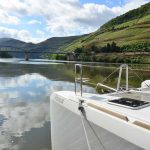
(53, 43)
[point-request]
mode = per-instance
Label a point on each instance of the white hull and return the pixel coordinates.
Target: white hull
(103, 130)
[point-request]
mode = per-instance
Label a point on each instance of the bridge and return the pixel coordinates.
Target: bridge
(13, 49)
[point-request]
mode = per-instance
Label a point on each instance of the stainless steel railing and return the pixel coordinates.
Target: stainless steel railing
(78, 79)
(82, 80)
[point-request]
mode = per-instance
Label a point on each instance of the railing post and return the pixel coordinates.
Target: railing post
(80, 79)
(127, 78)
(81, 74)
(75, 79)
(26, 56)
(119, 78)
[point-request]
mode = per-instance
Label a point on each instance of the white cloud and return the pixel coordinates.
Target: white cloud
(129, 5)
(23, 35)
(85, 18)
(66, 17)
(7, 19)
(16, 6)
(34, 22)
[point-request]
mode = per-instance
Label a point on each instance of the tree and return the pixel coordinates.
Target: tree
(108, 48)
(4, 54)
(78, 50)
(114, 47)
(94, 48)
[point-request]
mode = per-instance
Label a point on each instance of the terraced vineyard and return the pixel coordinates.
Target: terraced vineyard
(130, 28)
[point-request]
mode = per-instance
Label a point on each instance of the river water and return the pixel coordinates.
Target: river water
(25, 89)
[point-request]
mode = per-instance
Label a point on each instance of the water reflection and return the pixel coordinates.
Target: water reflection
(25, 111)
(24, 102)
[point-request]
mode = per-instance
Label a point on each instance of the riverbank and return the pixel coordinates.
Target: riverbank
(128, 57)
(121, 57)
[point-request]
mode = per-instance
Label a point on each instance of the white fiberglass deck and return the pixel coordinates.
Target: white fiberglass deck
(131, 125)
(101, 100)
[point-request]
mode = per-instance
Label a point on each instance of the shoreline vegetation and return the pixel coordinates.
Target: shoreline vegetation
(135, 53)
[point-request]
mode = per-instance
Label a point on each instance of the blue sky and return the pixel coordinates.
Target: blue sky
(37, 20)
(110, 3)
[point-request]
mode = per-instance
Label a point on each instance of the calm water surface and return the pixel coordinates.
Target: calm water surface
(24, 101)
(25, 89)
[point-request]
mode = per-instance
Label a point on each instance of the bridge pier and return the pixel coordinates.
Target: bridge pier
(71, 57)
(26, 56)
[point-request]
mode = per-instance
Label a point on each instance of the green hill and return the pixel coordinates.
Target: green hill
(130, 28)
(55, 43)
(135, 15)
(9, 42)
(51, 44)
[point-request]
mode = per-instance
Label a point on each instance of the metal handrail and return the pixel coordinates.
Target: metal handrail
(119, 78)
(81, 80)
(76, 79)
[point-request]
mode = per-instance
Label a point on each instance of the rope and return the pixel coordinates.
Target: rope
(140, 69)
(81, 109)
(107, 67)
(91, 83)
(139, 77)
(96, 66)
(100, 142)
(103, 80)
(86, 136)
(110, 75)
(133, 70)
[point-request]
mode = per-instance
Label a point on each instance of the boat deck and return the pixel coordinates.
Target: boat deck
(138, 95)
(101, 101)
(133, 115)
(127, 123)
